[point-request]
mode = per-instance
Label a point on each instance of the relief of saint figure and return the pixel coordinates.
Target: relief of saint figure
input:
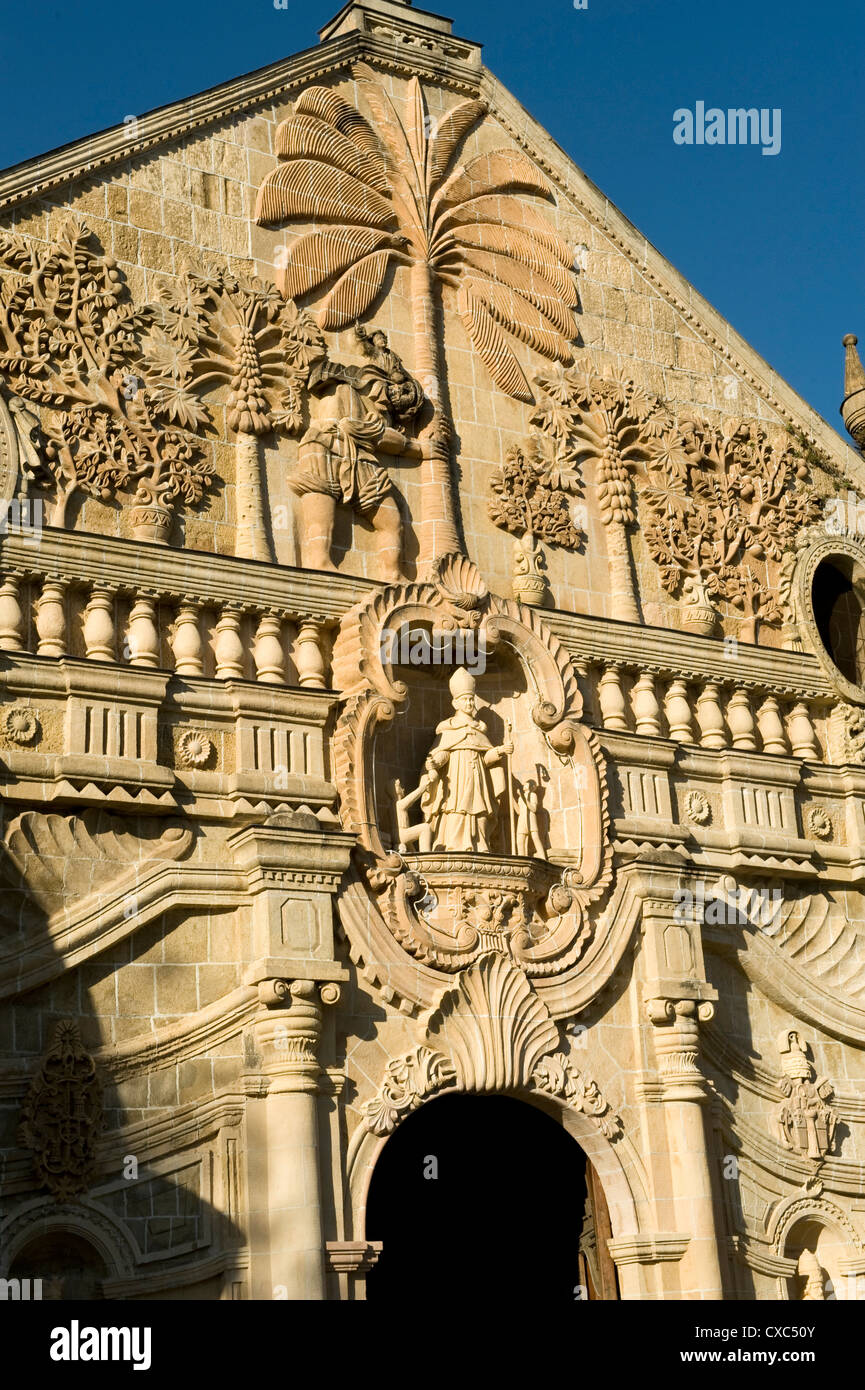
(357, 413)
(465, 783)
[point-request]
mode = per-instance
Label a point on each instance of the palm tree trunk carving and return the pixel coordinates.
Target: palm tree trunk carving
(393, 192)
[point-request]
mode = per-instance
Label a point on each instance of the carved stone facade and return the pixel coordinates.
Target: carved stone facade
(415, 684)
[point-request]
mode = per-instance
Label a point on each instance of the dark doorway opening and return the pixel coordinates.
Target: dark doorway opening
(486, 1197)
(839, 612)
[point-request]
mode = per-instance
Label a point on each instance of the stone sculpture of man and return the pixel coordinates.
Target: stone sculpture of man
(465, 782)
(357, 413)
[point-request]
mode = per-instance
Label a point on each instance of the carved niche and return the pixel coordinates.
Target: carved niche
(518, 877)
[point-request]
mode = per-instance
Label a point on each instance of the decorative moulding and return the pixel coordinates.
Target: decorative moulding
(648, 1248)
(488, 1032)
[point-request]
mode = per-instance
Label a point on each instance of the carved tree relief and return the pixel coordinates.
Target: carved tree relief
(70, 343)
(605, 421)
(724, 503)
(395, 194)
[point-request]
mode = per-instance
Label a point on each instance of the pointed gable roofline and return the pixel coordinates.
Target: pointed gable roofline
(393, 36)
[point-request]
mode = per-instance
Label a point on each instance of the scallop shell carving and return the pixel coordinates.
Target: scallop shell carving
(493, 1027)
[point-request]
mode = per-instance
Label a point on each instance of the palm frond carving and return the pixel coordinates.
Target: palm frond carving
(391, 190)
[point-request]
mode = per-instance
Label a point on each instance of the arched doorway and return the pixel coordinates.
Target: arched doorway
(486, 1197)
(68, 1265)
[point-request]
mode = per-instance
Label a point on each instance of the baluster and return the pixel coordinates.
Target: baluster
(186, 641)
(740, 718)
(98, 625)
(612, 700)
(771, 727)
(51, 618)
(11, 615)
(143, 634)
(710, 718)
(268, 653)
(677, 707)
(647, 711)
(308, 656)
(228, 646)
(802, 735)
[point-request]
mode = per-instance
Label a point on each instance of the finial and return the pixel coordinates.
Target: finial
(853, 404)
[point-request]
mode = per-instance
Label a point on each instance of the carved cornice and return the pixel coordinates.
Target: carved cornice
(245, 94)
(665, 651)
(133, 566)
(648, 1248)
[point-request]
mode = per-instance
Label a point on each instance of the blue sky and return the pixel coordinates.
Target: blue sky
(774, 242)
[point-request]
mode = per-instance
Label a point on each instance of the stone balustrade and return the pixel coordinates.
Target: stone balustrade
(64, 616)
(198, 615)
(707, 713)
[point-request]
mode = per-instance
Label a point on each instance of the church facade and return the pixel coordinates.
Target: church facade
(432, 668)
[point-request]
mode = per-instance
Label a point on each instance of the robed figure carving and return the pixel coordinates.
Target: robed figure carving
(465, 781)
(356, 413)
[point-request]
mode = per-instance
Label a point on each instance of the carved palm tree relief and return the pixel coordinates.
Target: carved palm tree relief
(397, 195)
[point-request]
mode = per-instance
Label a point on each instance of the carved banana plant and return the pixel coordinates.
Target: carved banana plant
(396, 195)
(220, 329)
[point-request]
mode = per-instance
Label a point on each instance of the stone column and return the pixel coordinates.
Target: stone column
(677, 998)
(293, 868)
(287, 1240)
(683, 1093)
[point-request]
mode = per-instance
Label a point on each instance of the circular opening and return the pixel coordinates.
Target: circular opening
(838, 598)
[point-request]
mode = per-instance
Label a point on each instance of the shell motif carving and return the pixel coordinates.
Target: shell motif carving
(493, 1027)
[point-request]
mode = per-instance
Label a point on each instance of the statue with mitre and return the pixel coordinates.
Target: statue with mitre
(464, 781)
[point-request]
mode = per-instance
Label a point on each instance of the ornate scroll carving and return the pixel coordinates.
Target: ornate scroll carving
(61, 1115)
(408, 1081)
(70, 342)
(487, 1032)
(805, 1122)
(395, 193)
(559, 1077)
